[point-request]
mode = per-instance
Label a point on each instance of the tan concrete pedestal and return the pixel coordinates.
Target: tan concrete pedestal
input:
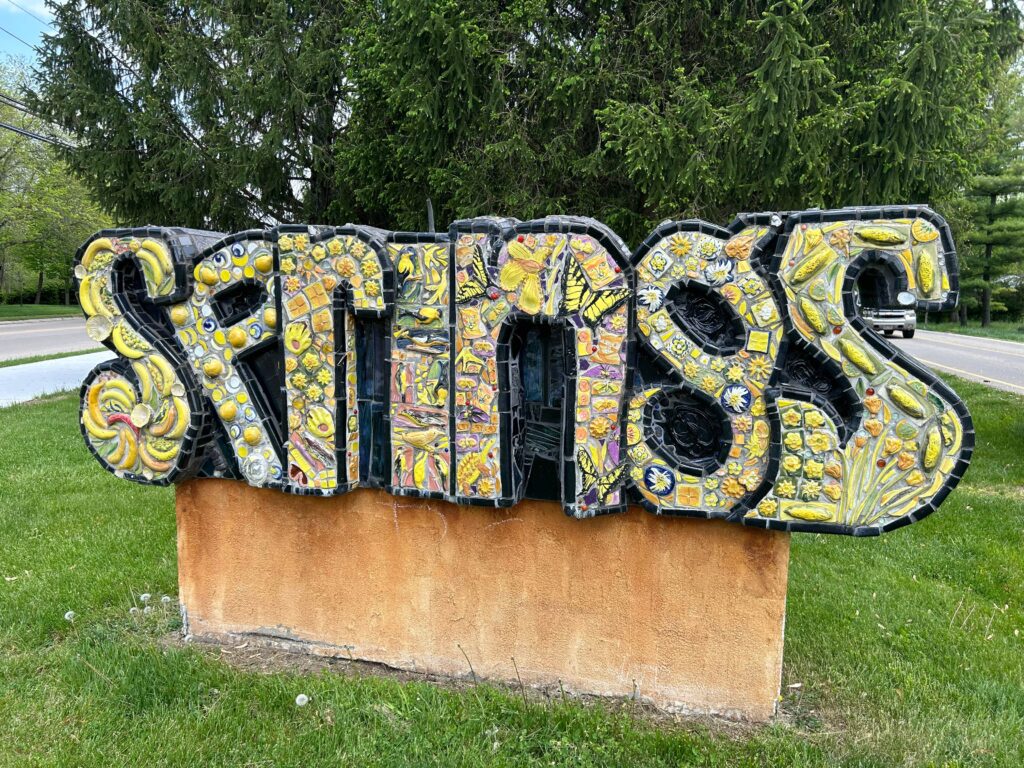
(688, 614)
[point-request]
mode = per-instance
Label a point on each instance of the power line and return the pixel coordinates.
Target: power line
(38, 137)
(188, 135)
(29, 45)
(10, 98)
(26, 10)
(110, 51)
(20, 106)
(13, 103)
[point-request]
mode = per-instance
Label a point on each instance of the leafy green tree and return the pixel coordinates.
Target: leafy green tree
(45, 212)
(17, 155)
(56, 215)
(221, 113)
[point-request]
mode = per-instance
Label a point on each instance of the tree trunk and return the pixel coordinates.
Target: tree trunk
(986, 275)
(963, 315)
(986, 302)
(39, 287)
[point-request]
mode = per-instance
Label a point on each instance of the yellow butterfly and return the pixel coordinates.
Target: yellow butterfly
(523, 270)
(578, 296)
(476, 281)
(606, 387)
(605, 484)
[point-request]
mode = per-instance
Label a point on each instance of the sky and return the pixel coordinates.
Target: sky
(20, 21)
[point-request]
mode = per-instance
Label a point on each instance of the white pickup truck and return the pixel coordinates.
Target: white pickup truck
(890, 320)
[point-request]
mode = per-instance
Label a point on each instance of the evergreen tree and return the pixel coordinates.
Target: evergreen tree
(997, 235)
(990, 221)
(221, 113)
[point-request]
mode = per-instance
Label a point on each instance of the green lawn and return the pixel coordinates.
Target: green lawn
(908, 648)
(36, 311)
(999, 329)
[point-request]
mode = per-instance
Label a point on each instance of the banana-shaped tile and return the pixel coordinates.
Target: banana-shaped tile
(138, 416)
(912, 439)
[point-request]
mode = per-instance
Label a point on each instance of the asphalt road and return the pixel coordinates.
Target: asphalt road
(999, 364)
(24, 338)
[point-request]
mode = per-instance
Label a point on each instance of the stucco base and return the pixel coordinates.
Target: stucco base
(686, 614)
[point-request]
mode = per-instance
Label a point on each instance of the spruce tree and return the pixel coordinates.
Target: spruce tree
(224, 113)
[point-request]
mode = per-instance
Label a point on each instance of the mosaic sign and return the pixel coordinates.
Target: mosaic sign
(714, 372)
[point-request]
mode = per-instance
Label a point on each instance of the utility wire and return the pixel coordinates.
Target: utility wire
(14, 100)
(21, 7)
(19, 106)
(117, 58)
(111, 52)
(38, 137)
(29, 45)
(10, 101)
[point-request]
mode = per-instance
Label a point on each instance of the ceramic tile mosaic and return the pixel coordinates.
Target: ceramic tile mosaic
(714, 372)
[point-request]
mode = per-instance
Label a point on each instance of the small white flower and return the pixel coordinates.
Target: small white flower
(144, 597)
(69, 616)
(301, 700)
(765, 312)
(736, 398)
(718, 272)
(651, 298)
(659, 480)
(148, 609)
(165, 600)
(133, 610)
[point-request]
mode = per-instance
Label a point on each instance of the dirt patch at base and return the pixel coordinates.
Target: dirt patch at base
(261, 655)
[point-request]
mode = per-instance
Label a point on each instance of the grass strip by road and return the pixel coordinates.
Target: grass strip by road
(54, 356)
(1002, 329)
(902, 650)
(37, 311)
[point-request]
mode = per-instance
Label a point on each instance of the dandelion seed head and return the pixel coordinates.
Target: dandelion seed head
(301, 700)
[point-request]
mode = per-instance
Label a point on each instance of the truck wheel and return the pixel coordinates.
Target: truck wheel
(908, 334)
